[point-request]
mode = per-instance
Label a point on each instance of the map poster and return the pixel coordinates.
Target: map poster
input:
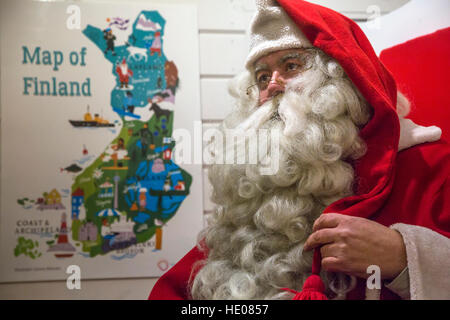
(94, 98)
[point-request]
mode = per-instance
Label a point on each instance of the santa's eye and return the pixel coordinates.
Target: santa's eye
(263, 78)
(292, 66)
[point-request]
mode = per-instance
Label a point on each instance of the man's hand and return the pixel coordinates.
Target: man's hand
(351, 244)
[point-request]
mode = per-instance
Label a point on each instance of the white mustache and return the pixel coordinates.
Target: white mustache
(286, 106)
(257, 118)
(291, 110)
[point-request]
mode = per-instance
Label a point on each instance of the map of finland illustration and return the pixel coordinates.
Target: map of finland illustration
(121, 201)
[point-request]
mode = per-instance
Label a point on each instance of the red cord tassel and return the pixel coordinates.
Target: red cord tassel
(313, 288)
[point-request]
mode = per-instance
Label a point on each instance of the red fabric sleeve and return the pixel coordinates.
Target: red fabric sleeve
(421, 193)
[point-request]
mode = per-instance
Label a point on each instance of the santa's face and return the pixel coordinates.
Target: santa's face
(275, 70)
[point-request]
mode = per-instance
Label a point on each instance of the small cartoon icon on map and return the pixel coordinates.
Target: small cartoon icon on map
(110, 38)
(124, 73)
(156, 44)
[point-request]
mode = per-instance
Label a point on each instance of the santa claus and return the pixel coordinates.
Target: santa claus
(344, 197)
(124, 73)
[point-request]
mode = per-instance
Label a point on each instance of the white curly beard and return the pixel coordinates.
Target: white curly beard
(256, 235)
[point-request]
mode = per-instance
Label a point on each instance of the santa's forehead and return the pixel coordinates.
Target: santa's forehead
(279, 56)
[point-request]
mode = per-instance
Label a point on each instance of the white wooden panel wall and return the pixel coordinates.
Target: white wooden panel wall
(223, 47)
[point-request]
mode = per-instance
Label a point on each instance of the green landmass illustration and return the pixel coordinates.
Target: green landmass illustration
(27, 247)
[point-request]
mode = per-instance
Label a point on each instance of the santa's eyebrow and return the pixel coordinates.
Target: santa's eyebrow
(292, 55)
(261, 66)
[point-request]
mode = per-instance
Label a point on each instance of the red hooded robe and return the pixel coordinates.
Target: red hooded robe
(411, 187)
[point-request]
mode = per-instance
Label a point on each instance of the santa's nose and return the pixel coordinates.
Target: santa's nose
(276, 84)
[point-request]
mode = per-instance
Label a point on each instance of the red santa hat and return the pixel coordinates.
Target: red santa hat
(285, 24)
(124, 61)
